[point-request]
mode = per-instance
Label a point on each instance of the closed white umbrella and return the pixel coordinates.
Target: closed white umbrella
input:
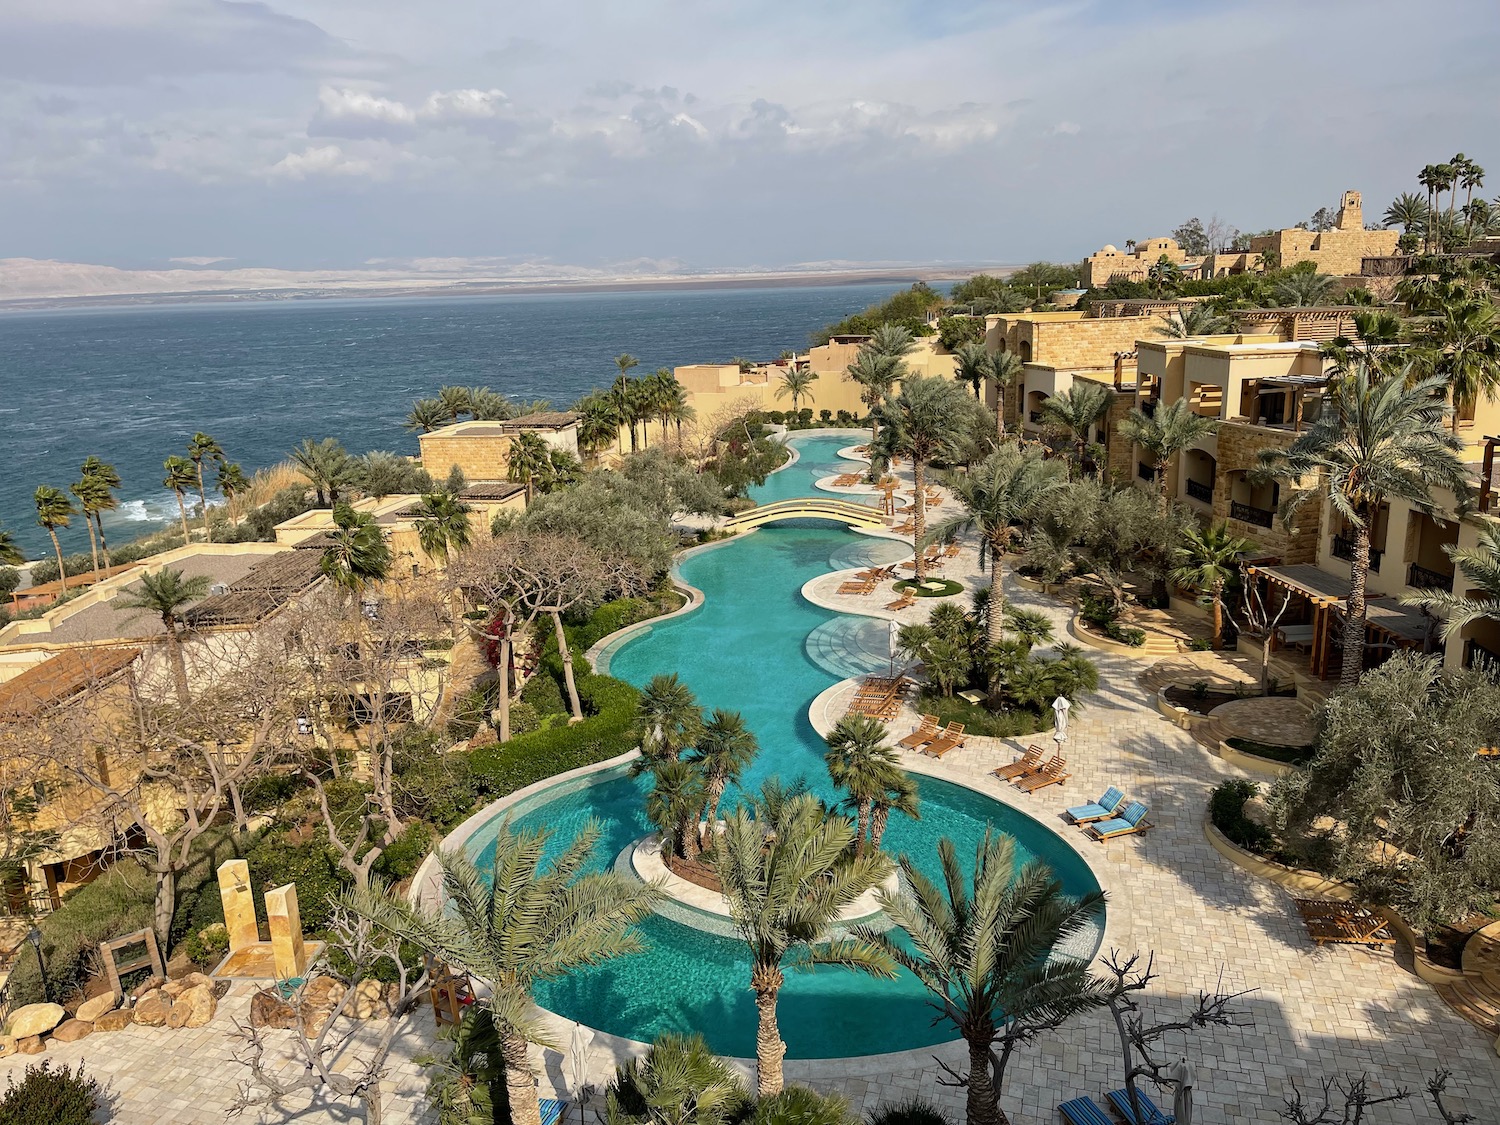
(1182, 1100)
(893, 636)
(578, 1066)
(1060, 708)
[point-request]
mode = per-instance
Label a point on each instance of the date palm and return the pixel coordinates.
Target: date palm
(180, 478)
(987, 953)
(525, 921)
(426, 415)
(91, 494)
(598, 423)
(896, 792)
(327, 466)
(1379, 439)
(893, 340)
(723, 751)
(1206, 561)
(877, 375)
(442, 524)
(166, 593)
(677, 797)
(526, 460)
(1303, 288)
(54, 510)
(1189, 321)
(620, 393)
(1431, 178)
(1407, 211)
(1004, 368)
(924, 423)
(667, 720)
(1480, 567)
(1001, 497)
(1075, 411)
(971, 367)
(787, 870)
(232, 483)
(103, 479)
(1164, 435)
(859, 762)
(796, 381)
(456, 402)
(202, 448)
(1470, 176)
(358, 554)
(1461, 345)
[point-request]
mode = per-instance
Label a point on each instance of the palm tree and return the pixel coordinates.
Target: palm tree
(1303, 288)
(667, 720)
(1470, 176)
(232, 484)
(167, 593)
(1165, 434)
(1207, 560)
(1452, 173)
(1461, 345)
(1382, 439)
(426, 415)
(988, 956)
(1480, 566)
(1001, 496)
(201, 447)
(1430, 177)
(456, 401)
(527, 459)
(877, 374)
(103, 480)
(1076, 410)
(180, 479)
(971, 367)
(787, 871)
(54, 510)
(894, 340)
(442, 524)
(796, 381)
(679, 1081)
(1163, 275)
(518, 925)
(327, 467)
(925, 422)
(10, 553)
(486, 405)
(1406, 211)
(677, 797)
(859, 762)
(598, 423)
(621, 393)
(1189, 321)
(895, 791)
(1377, 331)
(1005, 368)
(90, 493)
(723, 751)
(358, 554)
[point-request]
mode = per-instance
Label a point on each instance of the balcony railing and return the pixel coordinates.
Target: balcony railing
(1343, 548)
(1483, 660)
(1260, 517)
(1200, 491)
(1145, 471)
(1424, 579)
(1036, 417)
(1148, 407)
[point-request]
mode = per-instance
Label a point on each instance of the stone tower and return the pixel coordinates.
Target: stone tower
(1351, 213)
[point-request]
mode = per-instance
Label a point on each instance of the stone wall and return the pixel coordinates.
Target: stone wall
(480, 457)
(1120, 460)
(1239, 450)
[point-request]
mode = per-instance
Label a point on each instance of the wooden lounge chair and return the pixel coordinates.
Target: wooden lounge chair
(867, 586)
(1084, 1111)
(1051, 773)
(1102, 809)
(1132, 819)
(1343, 923)
(951, 739)
(905, 601)
(951, 551)
(922, 735)
(1150, 1111)
(1026, 763)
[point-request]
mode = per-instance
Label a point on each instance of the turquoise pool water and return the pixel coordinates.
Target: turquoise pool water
(757, 647)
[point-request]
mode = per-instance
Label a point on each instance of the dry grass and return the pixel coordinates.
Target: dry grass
(267, 482)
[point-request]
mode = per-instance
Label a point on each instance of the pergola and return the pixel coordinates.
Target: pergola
(1395, 625)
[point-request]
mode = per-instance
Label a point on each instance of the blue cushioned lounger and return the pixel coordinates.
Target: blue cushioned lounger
(1084, 1111)
(552, 1109)
(1101, 809)
(1133, 819)
(1120, 1099)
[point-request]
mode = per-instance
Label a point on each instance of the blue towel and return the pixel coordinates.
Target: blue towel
(1120, 1099)
(1083, 1111)
(552, 1109)
(1100, 808)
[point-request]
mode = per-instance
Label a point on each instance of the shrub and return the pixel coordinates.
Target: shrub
(1101, 612)
(909, 1111)
(776, 417)
(543, 693)
(10, 578)
(277, 861)
(50, 1097)
(825, 416)
(271, 790)
(805, 416)
(1226, 809)
(207, 947)
(470, 712)
(797, 1105)
(606, 731)
(981, 721)
(438, 788)
(401, 858)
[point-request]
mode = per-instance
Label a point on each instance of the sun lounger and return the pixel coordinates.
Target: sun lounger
(1026, 763)
(952, 550)
(1150, 1112)
(1128, 823)
(1084, 1111)
(867, 586)
(1343, 923)
(951, 739)
(905, 601)
(552, 1110)
(1102, 809)
(1051, 773)
(922, 735)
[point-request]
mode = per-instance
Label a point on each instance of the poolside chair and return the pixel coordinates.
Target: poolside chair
(951, 739)
(1102, 809)
(1150, 1111)
(905, 601)
(1051, 773)
(922, 735)
(1026, 763)
(552, 1110)
(1128, 823)
(1084, 1111)
(1343, 923)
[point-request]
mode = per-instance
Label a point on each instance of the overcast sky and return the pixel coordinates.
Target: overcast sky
(712, 133)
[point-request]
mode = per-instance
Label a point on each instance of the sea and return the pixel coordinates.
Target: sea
(130, 385)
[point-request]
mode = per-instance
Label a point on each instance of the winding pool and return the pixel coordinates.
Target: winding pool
(757, 647)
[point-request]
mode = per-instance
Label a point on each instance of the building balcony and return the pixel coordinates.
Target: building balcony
(1200, 491)
(1423, 579)
(1145, 471)
(1035, 416)
(1148, 407)
(1245, 513)
(1481, 659)
(1343, 548)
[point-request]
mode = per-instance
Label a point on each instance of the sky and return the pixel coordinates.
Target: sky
(707, 134)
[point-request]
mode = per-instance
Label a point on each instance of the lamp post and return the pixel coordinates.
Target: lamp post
(35, 938)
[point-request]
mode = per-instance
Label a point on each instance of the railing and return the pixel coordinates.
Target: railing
(1484, 660)
(1145, 471)
(1260, 517)
(1148, 407)
(1343, 548)
(1424, 579)
(1200, 491)
(1035, 416)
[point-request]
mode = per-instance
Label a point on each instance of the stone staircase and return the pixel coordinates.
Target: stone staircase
(1477, 996)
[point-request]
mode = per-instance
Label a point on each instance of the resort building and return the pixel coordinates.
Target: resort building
(1133, 263)
(481, 449)
(1341, 250)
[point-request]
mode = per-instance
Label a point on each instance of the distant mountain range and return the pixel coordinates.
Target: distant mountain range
(36, 283)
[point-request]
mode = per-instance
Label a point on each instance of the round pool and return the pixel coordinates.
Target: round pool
(757, 647)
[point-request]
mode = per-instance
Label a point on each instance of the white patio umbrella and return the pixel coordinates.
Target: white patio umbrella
(1182, 1100)
(1060, 708)
(578, 1066)
(893, 636)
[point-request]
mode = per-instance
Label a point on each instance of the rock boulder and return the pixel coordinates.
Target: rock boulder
(269, 1010)
(369, 1000)
(193, 1008)
(152, 1009)
(91, 1010)
(116, 1020)
(34, 1019)
(175, 988)
(71, 1031)
(31, 1045)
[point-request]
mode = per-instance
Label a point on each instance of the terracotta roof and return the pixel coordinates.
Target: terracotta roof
(59, 678)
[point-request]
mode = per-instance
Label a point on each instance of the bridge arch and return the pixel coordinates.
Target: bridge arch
(846, 512)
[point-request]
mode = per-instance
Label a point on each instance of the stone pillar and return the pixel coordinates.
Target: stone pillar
(286, 932)
(239, 904)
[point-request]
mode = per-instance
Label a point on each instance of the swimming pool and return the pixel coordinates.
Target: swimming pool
(757, 647)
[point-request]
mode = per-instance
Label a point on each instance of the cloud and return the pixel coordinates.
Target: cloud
(323, 160)
(1066, 129)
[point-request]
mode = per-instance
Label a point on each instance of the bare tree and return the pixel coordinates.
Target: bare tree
(1343, 1101)
(1255, 618)
(344, 1057)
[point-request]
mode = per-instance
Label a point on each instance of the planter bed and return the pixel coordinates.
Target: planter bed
(949, 587)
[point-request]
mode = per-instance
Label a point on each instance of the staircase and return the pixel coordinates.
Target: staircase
(1477, 996)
